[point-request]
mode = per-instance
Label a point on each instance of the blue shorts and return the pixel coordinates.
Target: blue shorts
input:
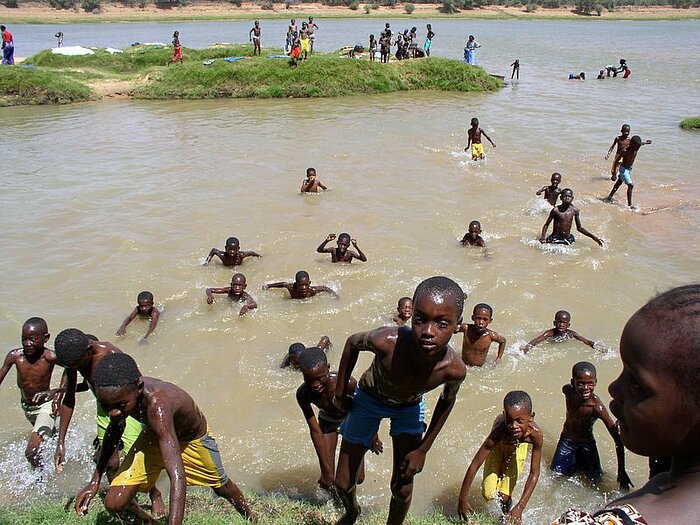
(625, 175)
(427, 45)
(362, 422)
(571, 456)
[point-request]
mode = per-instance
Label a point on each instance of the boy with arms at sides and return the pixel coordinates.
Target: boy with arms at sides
(301, 287)
(311, 184)
(563, 216)
(175, 438)
(34, 364)
(236, 292)
(629, 154)
(296, 349)
(576, 449)
(478, 338)
(473, 235)
(144, 309)
(560, 332)
(407, 363)
(341, 253)
(254, 37)
(551, 192)
(474, 140)
(505, 452)
(319, 389)
(232, 256)
(76, 352)
(656, 401)
(404, 311)
(621, 141)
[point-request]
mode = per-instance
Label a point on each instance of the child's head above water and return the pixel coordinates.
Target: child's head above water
(405, 307)
(35, 334)
(584, 378)
(145, 302)
(482, 315)
(238, 283)
(311, 173)
(555, 179)
(232, 245)
(517, 413)
(562, 321)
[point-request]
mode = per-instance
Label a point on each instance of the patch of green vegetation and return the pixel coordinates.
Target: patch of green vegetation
(690, 123)
(27, 86)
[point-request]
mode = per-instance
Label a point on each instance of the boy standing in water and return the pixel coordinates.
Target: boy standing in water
(563, 216)
(404, 311)
(341, 253)
(407, 363)
(473, 236)
(505, 452)
(254, 37)
(551, 192)
(301, 287)
(232, 256)
(428, 39)
(144, 309)
(478, 338)
(34, 364)
(560, 332)
(236, 292)
(628, 156)
(516, 70)
(474, 140)
(175, 438)
(621, 141)
(576, 449)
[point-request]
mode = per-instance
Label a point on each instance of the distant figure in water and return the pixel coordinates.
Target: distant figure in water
(469, 50)
(560, 332)
(301, 287)
(296, 349)
(236, 292)
(601, 75)
(516, 69)
(551, 192)
(144, 309)
(177, 50)
(341, 253)
(580, 76)
(624, 69)
(628, 156)
(563, 216)
(59, 36)
(473, 236)
(311, 184)
(474, 140)
(232, 256)
(404, 311)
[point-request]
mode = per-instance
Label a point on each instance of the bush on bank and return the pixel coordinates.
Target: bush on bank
(27, 86)
(690, 123)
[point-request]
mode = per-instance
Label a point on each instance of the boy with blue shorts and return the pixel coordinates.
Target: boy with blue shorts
(629, 154)
(408, 362)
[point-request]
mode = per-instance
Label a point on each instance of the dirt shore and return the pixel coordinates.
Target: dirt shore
(29, 12)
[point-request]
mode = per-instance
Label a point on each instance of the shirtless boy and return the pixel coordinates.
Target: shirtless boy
(407, 363)
(621, 141)
(563, 215)
(551, 192)
(236, 292)
(311, 28)
(254, 37)
(474, 140)
(175, 438)
(143, 309)
(34, 364)
(319, 389)
(311, 184)
(478, 338)
(473, 236)
(301, 287)
(505, 452)
(232, 256)
(628, 156)
(576, 449)
(560, 332)
(296, 349)
(404, 311)
(341, 253)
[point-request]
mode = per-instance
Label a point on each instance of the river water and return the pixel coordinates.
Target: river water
(102, 200)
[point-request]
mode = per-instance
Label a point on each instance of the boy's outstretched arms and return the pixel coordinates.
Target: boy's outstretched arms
(122, 329)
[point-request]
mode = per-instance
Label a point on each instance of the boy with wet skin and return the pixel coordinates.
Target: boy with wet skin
(407, 363)
(301, 287)
(576, 449)
(34, 363)
(296, 349)
(311, 184)
(473, 235)
(76, 352)
(656, 401)
(621, 141)
(341, 253)
(505, 452)
(563, 216)
(478, 338)
(404, 311)
(144, 309)
(319, 389)
(232, 256)
(629, 154)
(560, 332)
(236, 292)
(175, 438)
(474, 140)
(551, 192)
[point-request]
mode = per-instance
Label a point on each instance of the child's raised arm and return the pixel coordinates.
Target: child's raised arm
(322, 247)
(122, 329)
(360, 256)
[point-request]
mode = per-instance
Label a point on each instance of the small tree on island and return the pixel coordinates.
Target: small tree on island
(409, 8)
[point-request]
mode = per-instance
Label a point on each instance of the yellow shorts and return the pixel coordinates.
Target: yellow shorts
(305, 45)
(615, 165)
(477, 150)
(41, 417)
(144, 462)
(502, 468)
(131, 431)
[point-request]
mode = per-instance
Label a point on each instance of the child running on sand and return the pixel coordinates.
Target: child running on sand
(560, 332)
(551, 192)
(296, 349)
(341, 253)
(144, 309)
(563, 216)
(254, 37)
(404, 311)
(301, 287)
(175, 438)
(232, 256)
(474, 140)
(621, 141)
(629, 154)
(478, 338)
(407, 363)
(236, 292)
(504, 453)
(473, 235)
(657, 404)
(177, 49)
(34, 363)
(311, 184)
(576, 449)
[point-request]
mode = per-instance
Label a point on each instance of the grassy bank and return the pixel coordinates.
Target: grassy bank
(205, 509)
(690, 123)
(144, 72)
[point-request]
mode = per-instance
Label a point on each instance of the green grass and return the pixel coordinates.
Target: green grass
(26, 86)
(690, 123)
(205, 509)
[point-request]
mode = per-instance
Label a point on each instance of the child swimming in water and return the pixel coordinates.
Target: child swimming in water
(232, 254)
(301, 287)
(473, 235)
(551, 192)
(341, 253)
(296, 349)
(560, 332)
(478, 338)
(311, 184)
(144, 309)
(236, 292)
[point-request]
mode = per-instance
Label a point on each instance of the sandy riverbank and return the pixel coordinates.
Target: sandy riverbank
(30, 12)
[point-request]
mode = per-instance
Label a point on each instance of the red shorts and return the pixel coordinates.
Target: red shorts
(177, 55)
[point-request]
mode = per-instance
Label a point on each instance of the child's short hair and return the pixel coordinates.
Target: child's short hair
(116, 370)
(583, 367)
(309, 170)
(475, 121)
(70, 346)
(344, 237)
(232, 240)
(36, 322)
(296, 348)
(301, 274)
(636, 140)
(442, 286)
(311, 358)
(475, 223)
(145, 296)
(404, 299)
(562, 313)
(483, 306)
(517, 398)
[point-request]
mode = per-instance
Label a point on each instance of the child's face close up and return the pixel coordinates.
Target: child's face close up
(561, 323)
(584, 384)
(517, 420)
(434, 321)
